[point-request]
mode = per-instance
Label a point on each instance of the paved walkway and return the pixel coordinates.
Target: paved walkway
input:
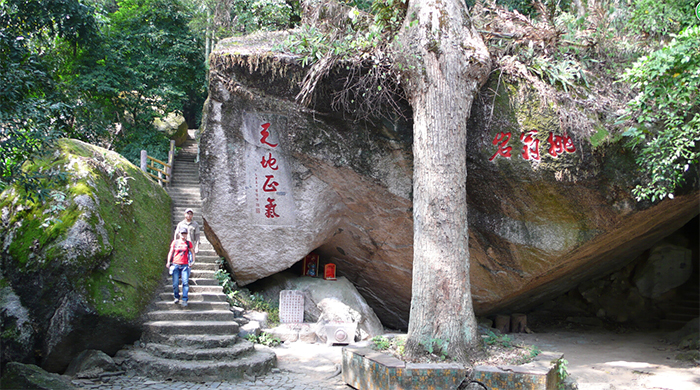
(277, 379)
(300, 366)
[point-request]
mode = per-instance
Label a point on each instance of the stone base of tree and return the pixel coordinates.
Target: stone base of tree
(536, 375)
(367, 369)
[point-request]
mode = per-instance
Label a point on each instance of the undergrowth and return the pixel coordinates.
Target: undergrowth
(493, 349)
(246, 299)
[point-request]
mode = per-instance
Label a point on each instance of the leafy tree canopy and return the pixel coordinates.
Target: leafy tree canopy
(33, 112)
(667, 113)
(99, 74)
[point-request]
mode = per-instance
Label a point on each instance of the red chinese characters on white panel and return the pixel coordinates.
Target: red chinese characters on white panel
(270, 163)
(269, 185)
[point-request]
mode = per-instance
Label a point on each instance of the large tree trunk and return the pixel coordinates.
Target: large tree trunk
(445, 62)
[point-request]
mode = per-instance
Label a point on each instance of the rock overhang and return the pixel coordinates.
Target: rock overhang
(537, 228)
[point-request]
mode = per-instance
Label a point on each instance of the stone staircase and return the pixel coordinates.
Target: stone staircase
(199, 342)
(685, 307)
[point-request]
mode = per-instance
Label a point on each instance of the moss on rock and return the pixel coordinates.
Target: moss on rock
(103, 233)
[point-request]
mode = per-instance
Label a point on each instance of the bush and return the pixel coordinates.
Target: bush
(151, 140)
(667, 115)
(664, 17)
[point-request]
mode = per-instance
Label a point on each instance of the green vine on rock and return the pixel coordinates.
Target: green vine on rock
(561, 370)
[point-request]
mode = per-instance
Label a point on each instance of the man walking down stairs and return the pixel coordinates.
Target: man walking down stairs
(199, 342)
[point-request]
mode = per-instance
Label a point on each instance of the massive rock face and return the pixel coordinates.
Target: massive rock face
(79, 267)
(547, 210)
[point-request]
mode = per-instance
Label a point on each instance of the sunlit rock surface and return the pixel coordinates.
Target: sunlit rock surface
(79, 267)
(546, 210)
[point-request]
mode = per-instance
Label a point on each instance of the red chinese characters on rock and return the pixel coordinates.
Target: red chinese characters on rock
(270, 162)
(531, 150)
(501, 140)
(558, 145)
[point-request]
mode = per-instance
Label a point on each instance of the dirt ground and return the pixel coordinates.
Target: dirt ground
(605, 360)
(598, 359)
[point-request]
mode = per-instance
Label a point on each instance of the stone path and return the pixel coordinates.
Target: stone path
(277, 379)
(300, 366)
(200, 341)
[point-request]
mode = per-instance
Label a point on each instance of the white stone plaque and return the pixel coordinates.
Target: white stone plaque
(291, 306)
(269, 185)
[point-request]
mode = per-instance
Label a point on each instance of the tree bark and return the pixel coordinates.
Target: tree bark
(445, 62)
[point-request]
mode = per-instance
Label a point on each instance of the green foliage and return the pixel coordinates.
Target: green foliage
(267, 15)
(436, 347)
(122, 195)
(246, 299)
(64, 75)
(221, 19)
(560, 369)
(264, 339)
(659, 18)
(502, 340)
(153, 141)
(309, 42)
(57, 206)
(144, 69)
(389, 14)
(380, 343)
(33, 113)
(667, 113)
(566, 73)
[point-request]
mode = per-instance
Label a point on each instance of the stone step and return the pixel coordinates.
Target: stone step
(196, 297)
(201, 265)
(680, 316)
(183, 181)
(191, 327)
(183, 177)
(180, 353)
(199, 342)
(205, 262)
(180, 169)
(195, 341)
(178, 213)
(203, 282)
(667, 324)
(202, 274)
(206, 249)
(190, 315)
(257, 363)
(178, 200)
(196, 305)
(168, 287)
(177, 191)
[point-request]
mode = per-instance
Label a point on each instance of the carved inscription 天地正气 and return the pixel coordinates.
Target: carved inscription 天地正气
(269, 185)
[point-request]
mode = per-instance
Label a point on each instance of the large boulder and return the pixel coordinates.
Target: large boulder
(545, 213)
(29, 376)
(174, 126)
(79, 267)
(91, 363)
(667, 267)
(326, 301)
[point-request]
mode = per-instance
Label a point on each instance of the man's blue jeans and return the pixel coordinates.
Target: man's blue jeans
(183, 269)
